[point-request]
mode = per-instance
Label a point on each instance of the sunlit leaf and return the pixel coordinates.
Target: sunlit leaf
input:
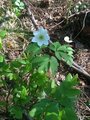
(1, 58)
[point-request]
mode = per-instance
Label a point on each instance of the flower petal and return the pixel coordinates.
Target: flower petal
(41, 37)
(42, 30)
(35, 33)
(40, 43)
(34, 39)
(47, 37)
(46, 43)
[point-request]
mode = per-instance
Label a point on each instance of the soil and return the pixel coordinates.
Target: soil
(53, 15)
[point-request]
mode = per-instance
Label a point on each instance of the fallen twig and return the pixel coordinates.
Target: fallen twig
(83, 26)
(31, 14)
(80, 70)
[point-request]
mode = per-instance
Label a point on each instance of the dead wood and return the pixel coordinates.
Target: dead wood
(80, 70)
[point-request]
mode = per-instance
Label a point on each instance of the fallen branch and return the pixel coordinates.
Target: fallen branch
(30, 13)
(80, 70)
(75, 66)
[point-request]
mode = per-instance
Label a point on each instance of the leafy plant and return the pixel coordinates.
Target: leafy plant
(29, 81)
(62, 52)
(18, 5)
(79, 6)
(2, 33)
(59, 103)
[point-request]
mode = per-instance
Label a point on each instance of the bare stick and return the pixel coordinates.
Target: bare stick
(82, 26)
(80, 70)
(30, 13)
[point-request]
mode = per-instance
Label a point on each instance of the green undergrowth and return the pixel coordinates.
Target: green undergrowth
(29, 85)
(28, 82)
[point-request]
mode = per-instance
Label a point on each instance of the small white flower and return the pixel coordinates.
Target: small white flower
(79, 2)
(66, 39)
(41, 37)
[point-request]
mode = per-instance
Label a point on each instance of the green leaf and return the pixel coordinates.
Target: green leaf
(68, 78)
(51, 116)
(21, 93)
(16, 112)
(24, 92)
(67, 101)
(1, 58)
(64, 52)
(22, 61)
(42, 62)
(69, 114)
(39, 78)
(57, 54)
(21, 5)
(39, 108)
(33, 49)
(72, 80)
(3, 33)
(67, 86)
(67, 58)
(47, 107)
(15, 64)
(67, 91)
(54, 46)
(40, 59)
(17, 3)
(53, 84)
(17, 11)
(32, 112)
(60, 114)
(53, 65)
(26, 68)
(10, 75)
(62, 48)
(53, 107)
(46, 63)
(0, 43)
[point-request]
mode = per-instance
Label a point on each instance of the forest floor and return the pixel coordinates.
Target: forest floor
(61, 18)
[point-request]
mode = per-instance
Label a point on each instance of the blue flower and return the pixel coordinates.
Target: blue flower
(41, 37)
